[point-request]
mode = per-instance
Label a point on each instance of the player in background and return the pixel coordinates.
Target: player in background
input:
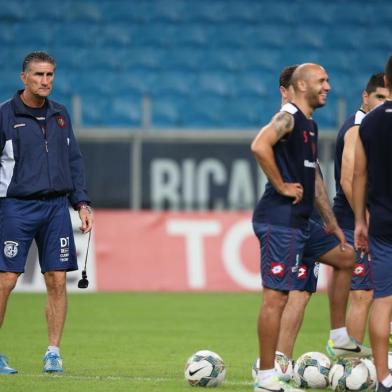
(361, 286)
(286, 150)
(41, 170)
(372, 189)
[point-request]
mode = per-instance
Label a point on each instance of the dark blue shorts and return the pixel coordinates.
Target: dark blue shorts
(319, 243)
(46, 221)
(362, 279)
(281, 249)
(381, 271)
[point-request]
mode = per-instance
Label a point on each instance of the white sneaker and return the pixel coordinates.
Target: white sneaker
(351, 349)
(273, 384)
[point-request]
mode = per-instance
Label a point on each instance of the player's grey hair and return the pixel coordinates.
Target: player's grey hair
(39, 56)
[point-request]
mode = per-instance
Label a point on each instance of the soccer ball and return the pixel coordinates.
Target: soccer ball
(350, 374)
(205, 369)
(372, 372)
(311, 370)
(283, 367)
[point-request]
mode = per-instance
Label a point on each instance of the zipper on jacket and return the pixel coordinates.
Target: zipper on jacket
(45, 133)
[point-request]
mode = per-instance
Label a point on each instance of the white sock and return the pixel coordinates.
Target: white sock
(263, 375)
(339, 336)
(387, 382)
(53, 349)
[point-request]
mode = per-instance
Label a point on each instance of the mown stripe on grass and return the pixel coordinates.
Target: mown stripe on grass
(118, 378)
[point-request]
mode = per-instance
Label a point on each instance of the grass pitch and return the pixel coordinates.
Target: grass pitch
(140, 342)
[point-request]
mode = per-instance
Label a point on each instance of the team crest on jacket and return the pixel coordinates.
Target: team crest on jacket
(60, 121)
(10, 249)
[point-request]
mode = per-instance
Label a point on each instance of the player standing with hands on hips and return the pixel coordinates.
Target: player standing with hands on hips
(286, 150)
(41, 169)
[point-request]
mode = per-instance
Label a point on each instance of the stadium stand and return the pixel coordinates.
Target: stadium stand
(207, 63)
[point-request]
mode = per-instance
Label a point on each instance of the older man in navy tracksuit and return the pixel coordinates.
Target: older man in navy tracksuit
(41, 170)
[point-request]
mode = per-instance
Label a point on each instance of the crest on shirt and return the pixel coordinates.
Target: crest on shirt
(60, 121)
(10, 249)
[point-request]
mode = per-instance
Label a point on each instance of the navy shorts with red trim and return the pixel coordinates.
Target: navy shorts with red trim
(319, 243)
(281, 249)
(381, 260)
(362, 276)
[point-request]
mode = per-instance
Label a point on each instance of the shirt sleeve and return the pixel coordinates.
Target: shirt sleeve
(364, 133)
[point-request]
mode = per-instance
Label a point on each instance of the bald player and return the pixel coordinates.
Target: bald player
(286, 150)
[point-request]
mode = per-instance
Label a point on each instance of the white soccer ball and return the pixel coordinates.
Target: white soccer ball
(311, 370)
(372, 372)
(205, 369)
(283, 367)
(350, 374)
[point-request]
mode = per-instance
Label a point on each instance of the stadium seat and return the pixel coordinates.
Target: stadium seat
(175, 82)
(253, 83)
(186, 58)
(86, 11)
(214, 83)
(246, 112)
(166, 112)
(209, 12)
(124, 11)
(77, 34)
(12, 11)
(110, 111)
(10, 83)
(202, 111)
(124, 110)
(94, 110)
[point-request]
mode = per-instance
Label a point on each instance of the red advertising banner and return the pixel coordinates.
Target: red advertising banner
(169, 251)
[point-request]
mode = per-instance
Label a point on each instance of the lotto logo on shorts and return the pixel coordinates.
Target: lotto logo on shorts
(302, 272)
(359, 270)
(277, 269)
(10, 249)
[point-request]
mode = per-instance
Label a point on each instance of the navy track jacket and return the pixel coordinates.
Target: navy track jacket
(34, 163)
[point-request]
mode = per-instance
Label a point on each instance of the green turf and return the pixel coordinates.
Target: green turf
(140, 342)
